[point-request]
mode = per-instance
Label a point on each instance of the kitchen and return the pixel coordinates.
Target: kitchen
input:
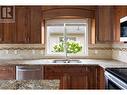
(26, 45)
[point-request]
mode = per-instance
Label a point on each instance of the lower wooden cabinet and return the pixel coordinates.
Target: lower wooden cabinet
(7, 72)
(70, 76)
(75, 76)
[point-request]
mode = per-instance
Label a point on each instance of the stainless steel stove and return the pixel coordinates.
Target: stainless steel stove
(116, 78)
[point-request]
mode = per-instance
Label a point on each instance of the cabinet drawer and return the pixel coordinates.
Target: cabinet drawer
(7, 72)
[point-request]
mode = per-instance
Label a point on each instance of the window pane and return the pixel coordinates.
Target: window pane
(54, 32)
(67, 36)
(75, 47)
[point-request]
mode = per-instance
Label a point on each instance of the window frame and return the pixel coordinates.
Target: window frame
(64, 54)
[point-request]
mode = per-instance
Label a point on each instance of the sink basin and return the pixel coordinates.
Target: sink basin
(66, 61)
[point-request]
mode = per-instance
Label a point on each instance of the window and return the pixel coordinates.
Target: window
(67, 36)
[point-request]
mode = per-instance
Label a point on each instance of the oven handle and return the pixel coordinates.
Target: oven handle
(115, 80)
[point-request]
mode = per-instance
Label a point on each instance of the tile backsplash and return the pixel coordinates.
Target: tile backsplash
(37, 51)
(21, 51)
(100, 51)
(120, 52)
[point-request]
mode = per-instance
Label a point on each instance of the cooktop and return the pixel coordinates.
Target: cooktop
(119, 72)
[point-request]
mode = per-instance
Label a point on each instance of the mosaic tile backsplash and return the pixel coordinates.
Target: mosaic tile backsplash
(37, 51)
(119, 52)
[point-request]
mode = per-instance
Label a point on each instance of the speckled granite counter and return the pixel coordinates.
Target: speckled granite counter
(29, 84)
(102, 63)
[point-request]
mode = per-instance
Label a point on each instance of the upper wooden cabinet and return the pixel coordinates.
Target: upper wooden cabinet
(22, 25)
(108, 23)
(104, 24)
(25, 29)
(28, 25)
(7, 32)
(36, 22)
(119, 12)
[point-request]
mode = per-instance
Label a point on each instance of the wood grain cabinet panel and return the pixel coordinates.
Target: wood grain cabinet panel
(7, 33)
(75, 77)
(22, 25)
(7, 72)
(26, 29)
(119, 12)
(35, 24)
(104, 24)
(28, 21)
(1, 32)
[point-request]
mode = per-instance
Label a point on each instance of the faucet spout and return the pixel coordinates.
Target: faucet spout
(65, 46)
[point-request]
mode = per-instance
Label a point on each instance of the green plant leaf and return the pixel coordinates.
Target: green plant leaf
(72, 47)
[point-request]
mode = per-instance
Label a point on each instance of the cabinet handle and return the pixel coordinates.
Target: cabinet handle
(0, 39)
(28, 39)
(25, 39)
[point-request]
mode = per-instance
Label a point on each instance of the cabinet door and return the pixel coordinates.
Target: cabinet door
(100, 78)
(119, 12)
(92, 77)
(76, 77)
(1, 32)
(22, 24)
(104, 24)
(71, 77)
(35, 28)
(7, 72)
(56, 72)
(7, 32)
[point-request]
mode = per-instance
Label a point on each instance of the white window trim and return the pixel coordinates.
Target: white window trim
(68, 21)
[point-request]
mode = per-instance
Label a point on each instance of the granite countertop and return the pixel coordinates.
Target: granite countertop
(29, 84)
(103, 63)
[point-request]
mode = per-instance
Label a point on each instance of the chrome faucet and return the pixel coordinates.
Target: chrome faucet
(65, 46)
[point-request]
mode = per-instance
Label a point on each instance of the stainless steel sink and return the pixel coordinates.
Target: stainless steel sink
(66, 61)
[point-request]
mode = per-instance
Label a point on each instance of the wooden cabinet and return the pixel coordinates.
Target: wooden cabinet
(28, 25)
(119, 12)
(35, 26)
(22, 25)
(7, 72)
(104, 24)
(1, 32)
(26, 28)
(7, 32)
(75, 76)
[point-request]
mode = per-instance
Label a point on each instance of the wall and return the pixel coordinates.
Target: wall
(101, 51)
(36, 51)
(120, 52)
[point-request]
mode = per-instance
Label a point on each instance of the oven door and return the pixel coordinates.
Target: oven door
(112, 82)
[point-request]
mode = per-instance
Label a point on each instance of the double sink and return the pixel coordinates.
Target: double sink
(66, 61)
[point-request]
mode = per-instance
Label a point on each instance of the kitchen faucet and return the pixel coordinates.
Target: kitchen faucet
(65, 46)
